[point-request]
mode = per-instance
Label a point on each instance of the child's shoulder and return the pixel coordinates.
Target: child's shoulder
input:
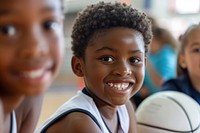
(74, 122)
(177, 84)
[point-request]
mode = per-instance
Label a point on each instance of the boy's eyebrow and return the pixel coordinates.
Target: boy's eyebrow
(136, 51)
(114, 50)
(106, 48)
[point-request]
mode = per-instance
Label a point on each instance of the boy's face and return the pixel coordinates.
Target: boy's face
(31, 45)
(114, 64)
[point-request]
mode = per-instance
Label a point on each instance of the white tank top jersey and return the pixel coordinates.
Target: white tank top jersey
(85, 104)
(13, 127)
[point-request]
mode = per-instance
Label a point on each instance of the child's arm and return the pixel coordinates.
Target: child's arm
(28, 114)
(131, 111)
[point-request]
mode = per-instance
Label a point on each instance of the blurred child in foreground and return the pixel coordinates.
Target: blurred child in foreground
(31, 53)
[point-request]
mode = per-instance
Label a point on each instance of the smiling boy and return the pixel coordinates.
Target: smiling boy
(109, 44)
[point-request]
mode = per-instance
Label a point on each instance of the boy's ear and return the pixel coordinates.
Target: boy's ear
(76, 64)
(182, 62)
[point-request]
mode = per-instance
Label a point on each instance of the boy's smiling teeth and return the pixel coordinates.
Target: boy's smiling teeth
(33, 74)
(119, 86)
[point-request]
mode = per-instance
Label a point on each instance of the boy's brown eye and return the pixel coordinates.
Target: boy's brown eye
(7, 30)
(135, 60)
(106, 59)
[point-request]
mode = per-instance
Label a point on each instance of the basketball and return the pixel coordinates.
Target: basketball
(168, 112)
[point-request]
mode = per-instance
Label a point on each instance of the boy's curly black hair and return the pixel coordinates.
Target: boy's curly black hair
(103, 15)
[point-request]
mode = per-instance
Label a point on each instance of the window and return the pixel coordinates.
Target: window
(185, 6)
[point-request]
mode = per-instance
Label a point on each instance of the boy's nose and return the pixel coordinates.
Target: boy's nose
(122, 69)
(33, 44)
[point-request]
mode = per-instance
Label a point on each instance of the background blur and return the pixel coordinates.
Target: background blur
(175, 15)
